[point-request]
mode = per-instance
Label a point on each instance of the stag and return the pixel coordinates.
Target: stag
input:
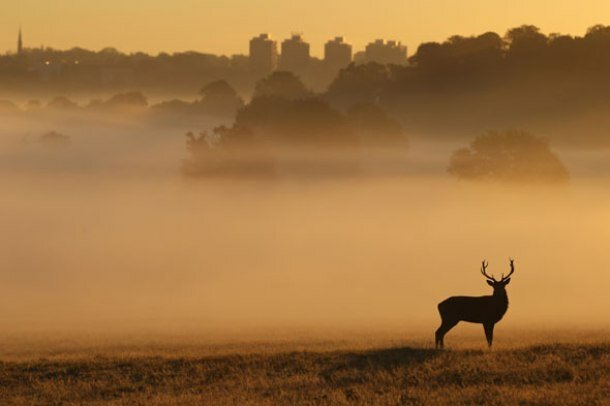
(485, 310)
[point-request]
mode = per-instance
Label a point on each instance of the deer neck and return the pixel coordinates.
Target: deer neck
(501, 297)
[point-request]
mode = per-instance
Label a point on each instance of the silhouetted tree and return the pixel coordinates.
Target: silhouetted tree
(508, 156)
(359, 84)
(374, 126)
(272, 125)
(227, 152)
(429, 55)
(220, 99)
(564, 52)
(526, 42)
(281, 84)
(461, 54)
(109, 70)
(597, 43)
(302, 121)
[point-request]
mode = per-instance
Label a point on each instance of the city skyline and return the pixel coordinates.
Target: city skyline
(293, 52)
(222, 27)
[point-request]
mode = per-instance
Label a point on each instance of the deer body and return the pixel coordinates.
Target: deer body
(486, 310)
(480, 309)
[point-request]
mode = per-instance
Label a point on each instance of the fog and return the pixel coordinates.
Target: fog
(106, 232)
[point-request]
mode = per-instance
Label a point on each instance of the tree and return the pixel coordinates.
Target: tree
(428, 55)
(219, 99)
(281, 84)
(374, 126)
(526, 42)
(227, 152)
(358, 84)
(308, 121)
(465, 53)
(516, 156)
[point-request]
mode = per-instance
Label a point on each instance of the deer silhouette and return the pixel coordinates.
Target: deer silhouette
(486, 310)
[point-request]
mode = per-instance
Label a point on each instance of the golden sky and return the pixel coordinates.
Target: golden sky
(224, 26)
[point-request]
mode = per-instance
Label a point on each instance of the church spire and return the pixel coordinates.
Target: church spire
(20, 42)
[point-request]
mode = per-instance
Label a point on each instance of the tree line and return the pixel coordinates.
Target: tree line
(459, 63)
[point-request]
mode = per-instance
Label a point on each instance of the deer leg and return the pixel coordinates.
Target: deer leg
(489, 333)
(442, 330)
(437, 337)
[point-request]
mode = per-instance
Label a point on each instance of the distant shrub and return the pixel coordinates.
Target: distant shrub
(62, 103)
(33, 104)
(8, 107)
(54, 139)
(131, 99)
(121, 102)
(218, 100)
(508, 156)
(175, 107)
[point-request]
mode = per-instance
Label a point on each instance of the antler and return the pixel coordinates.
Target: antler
(512, 269)
(484, 268)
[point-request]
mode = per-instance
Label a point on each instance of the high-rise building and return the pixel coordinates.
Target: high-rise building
(337, 53)
(263, 55)
(390, 52)
(295, 54)
(19, 42)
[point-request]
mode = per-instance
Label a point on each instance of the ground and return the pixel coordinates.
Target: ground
(560, 373)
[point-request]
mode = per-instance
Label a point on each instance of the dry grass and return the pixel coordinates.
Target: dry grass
(568, 373)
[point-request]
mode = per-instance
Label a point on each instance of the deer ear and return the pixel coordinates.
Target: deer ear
(506, 282)
(490, 283)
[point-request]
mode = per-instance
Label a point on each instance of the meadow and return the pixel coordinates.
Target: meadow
(379, 370)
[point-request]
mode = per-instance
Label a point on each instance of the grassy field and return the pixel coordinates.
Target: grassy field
(563, 373)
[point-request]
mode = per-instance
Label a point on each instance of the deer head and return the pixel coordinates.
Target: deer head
(491, 281)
